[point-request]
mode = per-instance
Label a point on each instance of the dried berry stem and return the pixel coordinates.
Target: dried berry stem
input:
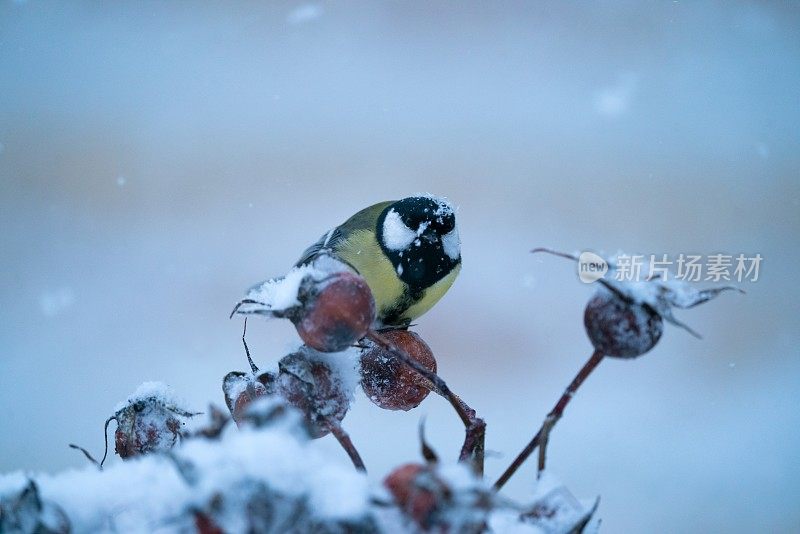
(474, 426)
(541, 437)
(474, 446)
(347, 444)
(105, 435)
(87, 454)
(253, 367)
(554, 253)
(427, 451)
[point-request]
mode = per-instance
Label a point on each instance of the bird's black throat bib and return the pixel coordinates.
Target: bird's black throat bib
(424, 262)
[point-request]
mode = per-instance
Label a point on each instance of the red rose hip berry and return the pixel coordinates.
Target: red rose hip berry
(335, 314)
(621, 329)
(312, 386)
(241, 389)
(416, 491)
(390, 383)
(147, 423)
(428, 496)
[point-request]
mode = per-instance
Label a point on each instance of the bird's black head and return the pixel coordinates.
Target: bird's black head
(420, 238)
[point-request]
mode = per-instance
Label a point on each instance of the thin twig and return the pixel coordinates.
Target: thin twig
(605, 283)
(243, 302)
(473, 425)
(554, 253)
(427, 451)
(550, 421)
(86, 453)
(217, 423)
(247, 349)
(474, 446)
(347, 444)
(105, 434)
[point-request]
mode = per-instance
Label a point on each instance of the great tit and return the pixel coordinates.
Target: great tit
(408, 251)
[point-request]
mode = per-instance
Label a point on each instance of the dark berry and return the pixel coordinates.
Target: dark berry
(241, 389)
(335, 313)
(413, 489)
(621, 329)
(390, 383)
(435, 503)
(312, 386)
(148, 422)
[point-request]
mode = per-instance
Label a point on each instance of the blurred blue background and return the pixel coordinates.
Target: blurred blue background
(156, 158)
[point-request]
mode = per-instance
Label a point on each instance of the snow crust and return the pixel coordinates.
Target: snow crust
(346, 367)
(663, 295)
(276, 475)
(281, 294)
(555, 510)
(155, 493)
(153, 391)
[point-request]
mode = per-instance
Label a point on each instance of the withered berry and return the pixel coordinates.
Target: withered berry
(390, 383)
(241, 389)
(335, 313)
(439, 502)
(148, 422)
(413, 489)
(620, 328)
(312, 386)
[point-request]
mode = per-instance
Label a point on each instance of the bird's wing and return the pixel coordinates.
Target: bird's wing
(327, 241)
(363, 220)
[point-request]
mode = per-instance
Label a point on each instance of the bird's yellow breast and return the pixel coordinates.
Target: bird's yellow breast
(362, 251)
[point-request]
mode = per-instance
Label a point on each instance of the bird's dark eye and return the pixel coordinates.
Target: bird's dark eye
(138, 406)
(447, 224)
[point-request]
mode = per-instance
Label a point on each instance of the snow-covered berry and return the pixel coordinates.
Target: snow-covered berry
(439, 499)
(390, 383)
(315, 388)
(330, 305)
(149, 421)
(241, 389)
(621, 328)
(416, 497)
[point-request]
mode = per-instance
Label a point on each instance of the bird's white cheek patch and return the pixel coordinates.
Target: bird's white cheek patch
(396, 235)
(452, 244)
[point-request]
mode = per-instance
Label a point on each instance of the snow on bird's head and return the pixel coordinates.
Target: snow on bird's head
(417, 219)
